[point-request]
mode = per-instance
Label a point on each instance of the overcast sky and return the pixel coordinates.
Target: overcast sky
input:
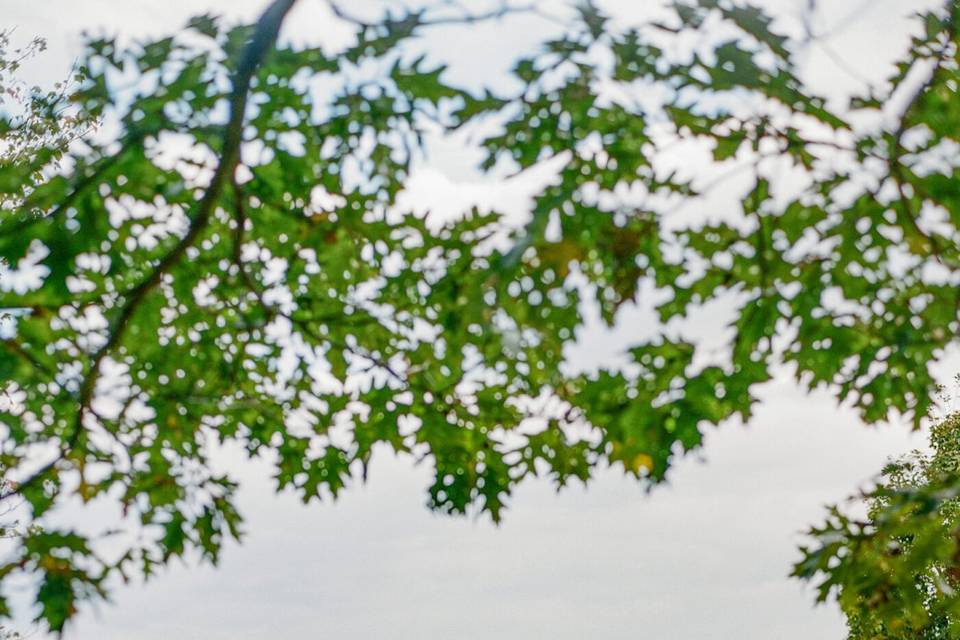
(705, 556)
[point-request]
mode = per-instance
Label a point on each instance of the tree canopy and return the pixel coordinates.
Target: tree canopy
(895, 572)
(228, 261)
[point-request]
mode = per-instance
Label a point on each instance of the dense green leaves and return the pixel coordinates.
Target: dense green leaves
(234, 265)
(896, 572)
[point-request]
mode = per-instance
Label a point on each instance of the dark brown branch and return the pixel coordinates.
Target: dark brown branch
(17, 349)
(262, 42)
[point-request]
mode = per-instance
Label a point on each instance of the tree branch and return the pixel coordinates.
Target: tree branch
(416, 18)
(262, 42)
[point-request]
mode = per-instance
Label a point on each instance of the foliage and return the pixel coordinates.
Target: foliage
(233, 266)
(896, 573)
(39, 128)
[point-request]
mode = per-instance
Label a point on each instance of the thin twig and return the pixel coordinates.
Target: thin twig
(897, 167)
(416, 19)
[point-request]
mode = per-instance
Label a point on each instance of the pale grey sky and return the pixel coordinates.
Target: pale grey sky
(704, 557)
